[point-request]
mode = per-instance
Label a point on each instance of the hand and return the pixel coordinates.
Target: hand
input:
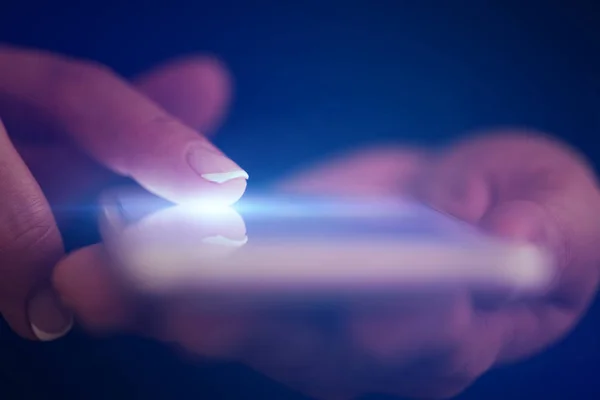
(73, 127)
(510, 183)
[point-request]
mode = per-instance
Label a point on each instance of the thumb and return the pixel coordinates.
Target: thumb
(30, 245)
(528, 221)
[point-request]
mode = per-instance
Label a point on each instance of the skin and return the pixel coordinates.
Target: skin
(421, 347)
(511, 183)
(71, 127)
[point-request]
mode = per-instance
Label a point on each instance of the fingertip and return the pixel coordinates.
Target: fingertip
(233, 190)
(182, 167)
(178, 192)
(42, 317)
(48, 317)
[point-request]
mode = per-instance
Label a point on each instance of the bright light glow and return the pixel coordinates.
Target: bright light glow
(315, 207)
(224, 241)
(205, 208)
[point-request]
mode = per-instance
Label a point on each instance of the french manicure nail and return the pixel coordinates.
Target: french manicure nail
(213, 166)
(224, 241)
(48, 318)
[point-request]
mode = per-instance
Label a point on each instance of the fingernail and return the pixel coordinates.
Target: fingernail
(48, 318)
(224, 241)
(213, 166)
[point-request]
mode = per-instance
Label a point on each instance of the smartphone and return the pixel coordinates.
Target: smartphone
(308, 247)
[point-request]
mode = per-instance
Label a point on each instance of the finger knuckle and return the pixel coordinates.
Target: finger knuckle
(31, 227)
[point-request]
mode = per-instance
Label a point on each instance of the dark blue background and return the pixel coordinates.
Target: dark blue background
(315, 78)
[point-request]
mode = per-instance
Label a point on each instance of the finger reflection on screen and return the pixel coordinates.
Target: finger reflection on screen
(165, 248)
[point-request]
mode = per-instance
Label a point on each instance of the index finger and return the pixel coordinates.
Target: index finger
(117, 126)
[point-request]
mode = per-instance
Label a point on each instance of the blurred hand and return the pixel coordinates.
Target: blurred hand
(71, 128)
(510, 183)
